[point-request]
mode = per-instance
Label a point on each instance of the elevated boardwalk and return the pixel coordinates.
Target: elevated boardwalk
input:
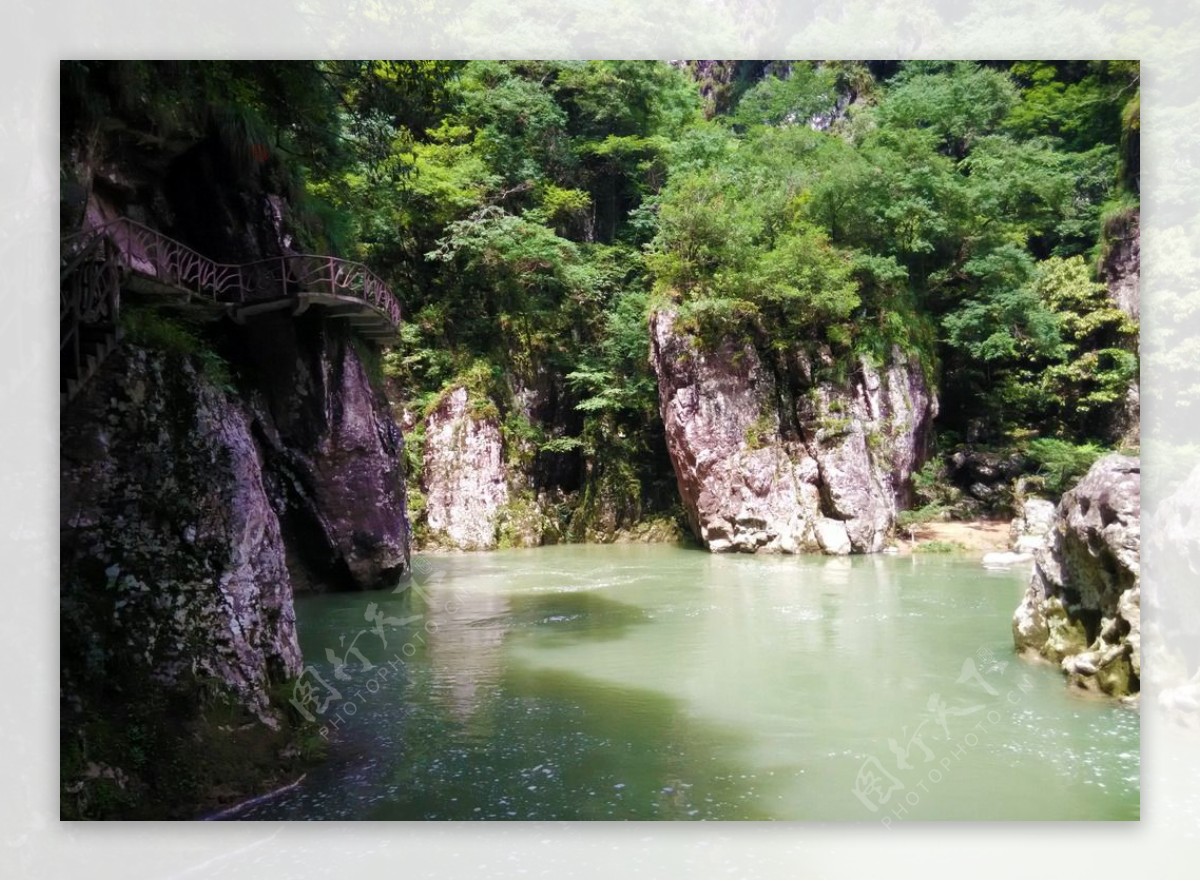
(97, 264)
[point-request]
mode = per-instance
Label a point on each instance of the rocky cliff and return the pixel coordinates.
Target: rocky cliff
(1120, 268)
(193, 508)
(1082, 608)
(334, 453)
(209, 470)
(488, 478)
(1030, 530)
(464, 478)
(172, 556)
(176, 603)
(788, 463)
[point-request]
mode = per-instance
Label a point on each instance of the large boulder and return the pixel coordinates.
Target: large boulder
(1082, 607)
(761, 468)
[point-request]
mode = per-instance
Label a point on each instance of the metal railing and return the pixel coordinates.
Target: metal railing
(89, 293)
(95, 261)
(150, 254)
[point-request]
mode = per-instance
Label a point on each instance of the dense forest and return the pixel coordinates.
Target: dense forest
(532, 214)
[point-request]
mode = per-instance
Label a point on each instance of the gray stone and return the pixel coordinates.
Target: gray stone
(1082, 603)
(1083, 664)
(333, 456)
(1120, 270)
(1030, 529)
(1028, 545)
(832, 536)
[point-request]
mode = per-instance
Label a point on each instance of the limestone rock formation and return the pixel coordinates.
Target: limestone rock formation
(333, 451)
(761, 470)
(172, 561)
(1121, 268)
(208, 471)
(464, 478)
(1082, 606)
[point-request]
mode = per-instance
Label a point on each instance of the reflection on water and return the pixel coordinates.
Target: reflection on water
(465, 632)
(631, 682)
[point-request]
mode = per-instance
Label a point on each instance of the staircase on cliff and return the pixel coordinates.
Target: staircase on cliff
(102, 261)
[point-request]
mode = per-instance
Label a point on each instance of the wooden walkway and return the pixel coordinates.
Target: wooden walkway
(100, 262)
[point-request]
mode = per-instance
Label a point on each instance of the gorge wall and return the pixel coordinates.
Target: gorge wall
(209, 471)
(1120, 268)
(464, 478)
(760, 468)
(334, 453)
(487, 479)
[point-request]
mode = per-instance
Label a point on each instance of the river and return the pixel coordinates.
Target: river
(657, 682)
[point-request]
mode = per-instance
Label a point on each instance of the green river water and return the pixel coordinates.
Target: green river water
(656, 682)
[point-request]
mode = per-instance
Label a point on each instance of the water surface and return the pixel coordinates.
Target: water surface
(655, 682)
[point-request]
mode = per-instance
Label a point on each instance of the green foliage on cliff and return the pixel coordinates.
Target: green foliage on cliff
(531, 213)
(148, 327)
(839, 208)
(947, 210)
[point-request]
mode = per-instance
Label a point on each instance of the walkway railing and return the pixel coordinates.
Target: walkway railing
(89, 295)
(97, 260)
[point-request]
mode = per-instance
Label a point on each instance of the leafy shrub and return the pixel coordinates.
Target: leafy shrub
(152, 329)
(932, 486)
(760, 431)
(562, 445)
(1061, 463)
(939, 547)
(924, 514)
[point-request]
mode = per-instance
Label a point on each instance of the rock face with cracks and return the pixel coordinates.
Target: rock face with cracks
(780, 461)
(333, 454)
(464, 476)
(1082, 608)
(1120, 270)
(209, 470)
(172, 557)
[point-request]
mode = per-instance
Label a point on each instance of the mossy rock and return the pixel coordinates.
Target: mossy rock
(520, 523)
(1116, 677)
(1066, 636)
(178, 753)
